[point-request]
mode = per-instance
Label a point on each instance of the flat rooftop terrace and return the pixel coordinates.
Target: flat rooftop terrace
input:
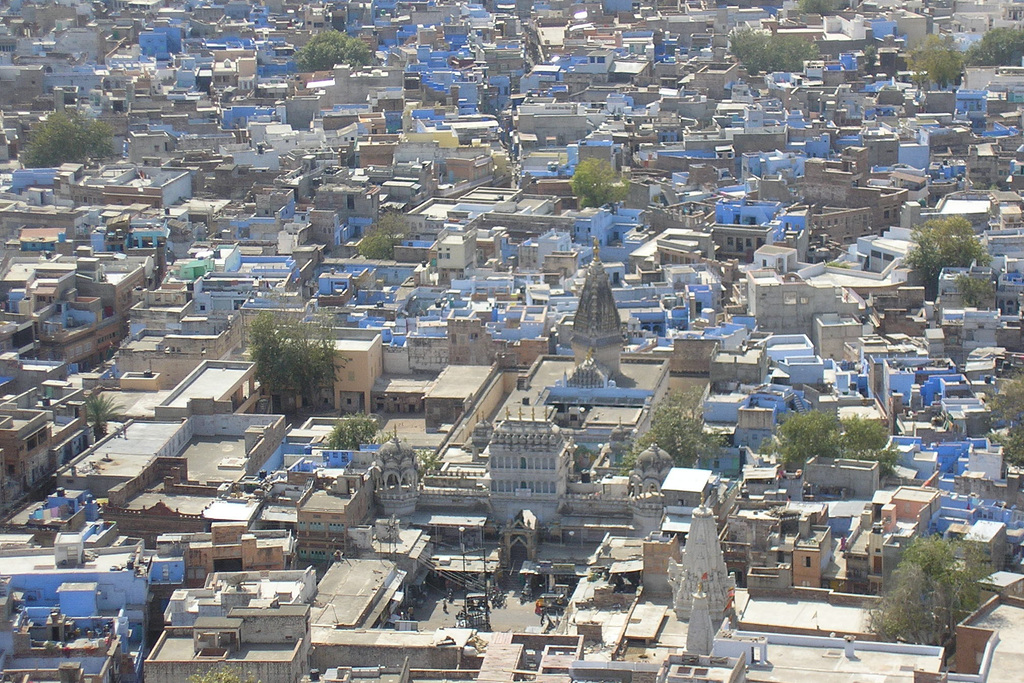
(126, 457)
(214, 381)
(1008, 620)
(812, 660)
(766, 613)
(183, 650)
(212, 459)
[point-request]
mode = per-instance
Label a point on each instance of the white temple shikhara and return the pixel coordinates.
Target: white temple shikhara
(700, 636)
(701, 571)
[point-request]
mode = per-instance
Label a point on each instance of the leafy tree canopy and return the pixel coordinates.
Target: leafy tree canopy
(975, 292)
(934, 587)
(379, 241)
(99, 410)
(865, 439)
(677, 427)
(328, 48)
(802, 436)
(822, 7)
(349, 433)
(595, 183)
(944, 243)
(292, 355)
(1008, 407)
(763, 52)
(936, 60)
(870, 57)
(67, 138)
(430, 460)
(998, 47)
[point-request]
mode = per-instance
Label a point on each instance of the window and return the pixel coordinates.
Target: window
(807, 562)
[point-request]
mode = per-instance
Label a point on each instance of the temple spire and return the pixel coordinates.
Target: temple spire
(596, 328)
(703, 567)
(700, 636)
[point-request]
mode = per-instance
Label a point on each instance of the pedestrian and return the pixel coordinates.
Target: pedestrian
(444, 607)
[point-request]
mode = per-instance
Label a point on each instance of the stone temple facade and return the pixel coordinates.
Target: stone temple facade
(528, 466)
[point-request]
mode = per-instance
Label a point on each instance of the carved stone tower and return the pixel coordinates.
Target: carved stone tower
(703, 565)
(596, 330)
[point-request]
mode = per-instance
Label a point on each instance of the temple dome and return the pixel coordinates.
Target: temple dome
(654, 458)
(398, 457)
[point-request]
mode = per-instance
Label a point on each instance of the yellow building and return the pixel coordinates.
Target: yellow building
(359, 362)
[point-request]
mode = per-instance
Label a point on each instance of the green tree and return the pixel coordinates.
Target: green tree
(99, 410)
(379, 241)
(932, 589)
(595, 183)
(764, 52)
(936, 60)
(998, 47)
(328, 48)
(944, 243)
(1008, 407)
(430, 460)
(677, 427)
(221, 676)
(802, 436)
(292, 356)
(865, 439)
(822, 7)
(1012, 441)
(350, 432)
(870, 58)
(975, 292)
(67, 138)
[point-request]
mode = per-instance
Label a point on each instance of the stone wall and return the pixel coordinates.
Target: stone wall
(354, 649)
(857, 478)
(692, 357)
(427, 354)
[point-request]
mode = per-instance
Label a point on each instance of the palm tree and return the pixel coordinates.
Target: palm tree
(99, 410)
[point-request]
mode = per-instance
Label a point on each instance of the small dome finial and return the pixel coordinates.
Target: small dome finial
(597, 250)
